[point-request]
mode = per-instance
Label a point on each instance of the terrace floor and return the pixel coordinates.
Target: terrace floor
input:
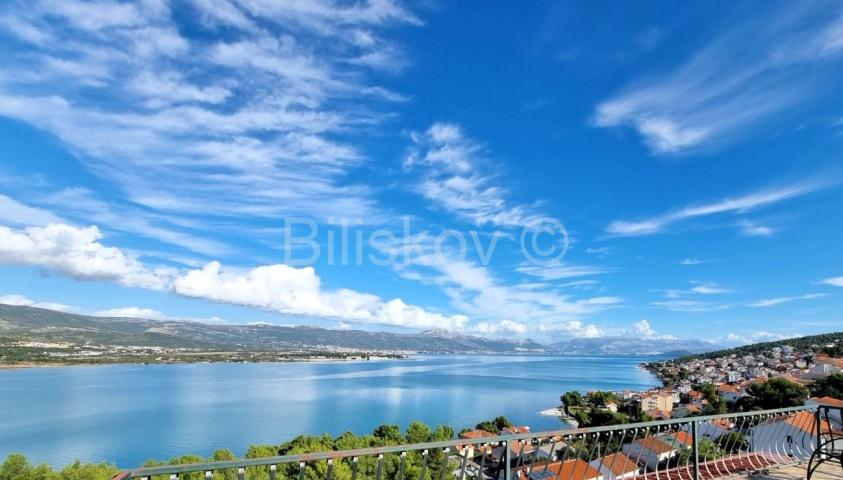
(827, 471)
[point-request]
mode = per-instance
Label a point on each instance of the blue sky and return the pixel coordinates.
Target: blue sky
(677, 165)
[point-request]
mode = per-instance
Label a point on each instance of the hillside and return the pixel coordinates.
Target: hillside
(39, 325)
(828, 342)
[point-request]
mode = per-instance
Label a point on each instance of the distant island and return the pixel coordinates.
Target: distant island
(35, 336)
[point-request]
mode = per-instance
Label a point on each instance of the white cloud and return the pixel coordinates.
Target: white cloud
(754, 337)
(190, 235)
(504, 327)
(258, 124)
(298, 291)
(691, 261)
(741, 204)
(573, 328)
(708, 288)
(738, 79)
(556, 269)
(690, 306)
(475, 290)
(749, 229)
(642, 328)
(452, 167)
(22, 301)
(16, 213)
(770, 302)
(131, 312)
(77, 253)
(834, 281)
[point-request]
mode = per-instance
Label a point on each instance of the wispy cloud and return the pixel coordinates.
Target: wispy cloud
(709, 288)
(750, 229)
(481, 294)
(689, 299)
(743, 76)
(557, 269)
(742, 204)
(771, 302)
(691, 261)
(20, 300)
(13, 212)
(833, 281)
(690, 306)
(253, 123)
(457, 179)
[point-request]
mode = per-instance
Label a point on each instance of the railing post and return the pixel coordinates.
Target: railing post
(695, 453)
(507, 461)
(819, 427)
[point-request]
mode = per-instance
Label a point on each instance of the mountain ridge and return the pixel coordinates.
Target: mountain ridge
(38, 324)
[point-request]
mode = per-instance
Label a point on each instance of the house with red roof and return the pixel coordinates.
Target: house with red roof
(836, 407)
(574, 469)
(616, 466)
(650, 451)
(794, 435)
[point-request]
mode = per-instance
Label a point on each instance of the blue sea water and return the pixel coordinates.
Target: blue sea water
(126, 414)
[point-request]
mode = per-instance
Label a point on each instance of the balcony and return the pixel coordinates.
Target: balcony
(773, 444)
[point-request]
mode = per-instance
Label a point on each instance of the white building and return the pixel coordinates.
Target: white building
(794, 436)
(650, 451)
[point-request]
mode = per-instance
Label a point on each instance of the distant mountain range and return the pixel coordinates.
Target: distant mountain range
(36, 324)
(632, 346)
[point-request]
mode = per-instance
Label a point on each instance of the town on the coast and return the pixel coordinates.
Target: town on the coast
(741, 379)
(768, 377)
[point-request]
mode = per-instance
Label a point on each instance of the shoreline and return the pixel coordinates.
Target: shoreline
(28, 365)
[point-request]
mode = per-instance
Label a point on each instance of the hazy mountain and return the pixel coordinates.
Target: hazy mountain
(47, 325)
(632, 346)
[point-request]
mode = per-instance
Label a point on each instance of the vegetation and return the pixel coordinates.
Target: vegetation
(16, 467)
(591, 411)
(716, 403)
(830, 386)
(774, 393)
(829, 343)
(493, 426)
(571, 399)
(733, 442)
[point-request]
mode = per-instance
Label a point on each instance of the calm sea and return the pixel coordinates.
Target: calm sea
(128, 414)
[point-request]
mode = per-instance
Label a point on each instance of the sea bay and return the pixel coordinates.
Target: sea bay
(126, 414)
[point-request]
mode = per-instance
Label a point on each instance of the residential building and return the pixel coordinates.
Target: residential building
(616, 466)
(650, 451)
(657, 401)
(574, 469)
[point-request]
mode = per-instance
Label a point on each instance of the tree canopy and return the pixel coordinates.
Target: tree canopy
(777, 392)
(830, 386)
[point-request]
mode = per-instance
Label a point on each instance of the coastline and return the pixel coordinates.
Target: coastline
(28, 365)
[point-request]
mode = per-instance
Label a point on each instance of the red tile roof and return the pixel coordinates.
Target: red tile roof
(828, 401)
(570, 469)
(655, 445)
(619, 464)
